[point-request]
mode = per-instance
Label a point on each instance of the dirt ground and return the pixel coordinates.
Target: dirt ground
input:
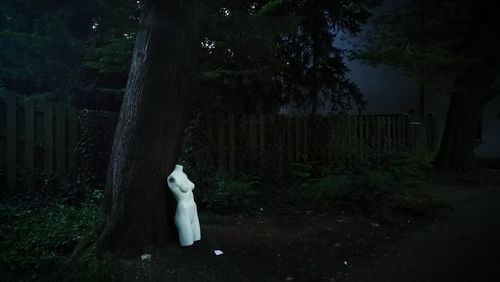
(463, 244)
(300, 246)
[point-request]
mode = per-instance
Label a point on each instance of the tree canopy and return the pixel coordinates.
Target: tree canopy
(69, 50)
(271, 53)
(453, 45)
(258, 54)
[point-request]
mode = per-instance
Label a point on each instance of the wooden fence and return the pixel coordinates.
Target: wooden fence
(39, 138)
(271, 142)
(35, 136)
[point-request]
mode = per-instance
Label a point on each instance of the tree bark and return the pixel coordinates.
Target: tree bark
(456, 152)
(457, 144)
(149, 134)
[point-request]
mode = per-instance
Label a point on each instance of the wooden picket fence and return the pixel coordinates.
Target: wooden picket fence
(260, 142)
(39, 138)
(35, 136)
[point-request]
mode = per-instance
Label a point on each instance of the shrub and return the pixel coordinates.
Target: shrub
(396, 186)
(325, 189)
(231, 195)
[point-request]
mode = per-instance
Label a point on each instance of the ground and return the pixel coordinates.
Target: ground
(462, 244)
(305, 246)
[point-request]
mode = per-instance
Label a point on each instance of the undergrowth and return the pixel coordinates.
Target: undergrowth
(235, 195)
(34, 241)
(394, 185)
(397, 186)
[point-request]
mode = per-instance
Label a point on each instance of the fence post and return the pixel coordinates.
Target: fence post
(29, 141)
(11, 139)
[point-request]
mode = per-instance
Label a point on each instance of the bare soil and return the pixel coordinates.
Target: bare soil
(298, 246)
(462, 244)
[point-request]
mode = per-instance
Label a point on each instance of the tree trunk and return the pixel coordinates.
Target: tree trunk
(457, 144)
(456, 152)
(149, 134)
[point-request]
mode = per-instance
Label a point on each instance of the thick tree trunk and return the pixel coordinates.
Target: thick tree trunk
(457, 144)
(456, 152)
(149, 133)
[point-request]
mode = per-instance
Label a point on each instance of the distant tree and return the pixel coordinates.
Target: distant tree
(67, 50)
(241, 56)
(316, 72)
(38, 52)
(107, 61)
(455, 42)
(270, 53)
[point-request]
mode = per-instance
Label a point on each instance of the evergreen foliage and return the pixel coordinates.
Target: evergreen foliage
(258, 54)
(70, 50)
(436, 40)
(270, 53)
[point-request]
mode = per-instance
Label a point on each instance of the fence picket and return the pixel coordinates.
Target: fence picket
(60, 140)
(28, 125)
(329, 141)
(252, 134)
(305, 136)
(221, 144)
(11, 140)
(231, 145)
(340, 141)
(29, 141)
(361, 139)
(262, 145)
(48, 137)
(297, 139)
(349, 139)
(289, 150)
(72, 133)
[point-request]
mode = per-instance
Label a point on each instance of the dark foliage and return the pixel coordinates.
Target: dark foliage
(449, 46)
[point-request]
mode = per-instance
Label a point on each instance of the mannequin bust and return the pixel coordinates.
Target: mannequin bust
(186, 214)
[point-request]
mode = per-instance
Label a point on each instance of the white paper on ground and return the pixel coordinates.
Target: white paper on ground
(146, 257)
